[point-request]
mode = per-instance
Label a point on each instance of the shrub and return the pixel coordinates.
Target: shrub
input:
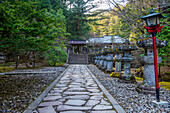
(166, 76)
(55, 56)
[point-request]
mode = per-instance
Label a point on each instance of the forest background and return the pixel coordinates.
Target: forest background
(36, 30)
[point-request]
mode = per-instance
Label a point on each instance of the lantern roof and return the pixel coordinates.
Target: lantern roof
(152, 13)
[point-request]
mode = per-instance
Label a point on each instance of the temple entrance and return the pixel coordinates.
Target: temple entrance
(77, 52)
(77, 47)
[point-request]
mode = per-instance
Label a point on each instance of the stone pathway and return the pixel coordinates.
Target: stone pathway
(75, 92)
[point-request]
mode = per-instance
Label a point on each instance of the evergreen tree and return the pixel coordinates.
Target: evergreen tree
(26, 29)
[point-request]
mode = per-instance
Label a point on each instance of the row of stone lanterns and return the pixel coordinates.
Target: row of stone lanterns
(122, 54)
(104, 60)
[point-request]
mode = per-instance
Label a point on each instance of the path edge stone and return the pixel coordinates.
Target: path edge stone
(35, 103)
(115, 104)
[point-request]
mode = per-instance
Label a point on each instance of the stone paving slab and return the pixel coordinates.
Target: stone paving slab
(83, 97)
(96, 94)
(76, 89)
(75, 102)
(52, 98)
(48, 109)
(52, 103)
(67, 107)
(92, 102)
(76, 92)
(54, 94)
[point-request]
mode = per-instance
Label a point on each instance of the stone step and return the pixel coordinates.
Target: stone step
(77, 62)
(77, 59)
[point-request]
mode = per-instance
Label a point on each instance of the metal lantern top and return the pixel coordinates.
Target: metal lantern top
(152, 19)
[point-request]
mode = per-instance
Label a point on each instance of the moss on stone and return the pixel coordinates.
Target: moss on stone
(138, 79)
(114, 74)
(165, 85)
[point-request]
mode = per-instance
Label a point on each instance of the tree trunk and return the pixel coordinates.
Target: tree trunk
(77, 25)
(16, 61)
(25, 60)
(33, 62)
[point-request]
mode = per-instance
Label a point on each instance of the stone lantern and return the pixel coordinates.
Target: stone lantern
(95, 59)
(98, 59)
(109, 61)
(104, 67)
(118, 60)
(149, 73)
(101, 59)
(127, 58)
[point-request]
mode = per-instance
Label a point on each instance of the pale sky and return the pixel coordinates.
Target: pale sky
(105, 4)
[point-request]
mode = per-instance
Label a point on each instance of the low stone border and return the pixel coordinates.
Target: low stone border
(115, 104)
(21, 73)
(34, 104)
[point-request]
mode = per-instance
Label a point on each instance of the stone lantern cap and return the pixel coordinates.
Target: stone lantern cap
(148, 43)
(127, 59)
(127, 47)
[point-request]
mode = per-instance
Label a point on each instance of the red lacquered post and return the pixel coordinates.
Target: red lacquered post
(156, 67)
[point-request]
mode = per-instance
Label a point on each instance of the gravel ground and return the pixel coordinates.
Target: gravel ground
(128, 97)
(18, 91)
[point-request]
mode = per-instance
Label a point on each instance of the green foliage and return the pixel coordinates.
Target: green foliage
(77, 22)
(26, 28)
(55, 55)
(109, 24)
(142, 55)
(164, 35)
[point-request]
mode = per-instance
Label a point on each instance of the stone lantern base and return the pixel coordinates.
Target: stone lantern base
(127, 79)
(109, 71)
(160, 104)
(146, 89)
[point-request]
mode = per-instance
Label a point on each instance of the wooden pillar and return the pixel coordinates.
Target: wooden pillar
(81, 49)
(73, 49)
